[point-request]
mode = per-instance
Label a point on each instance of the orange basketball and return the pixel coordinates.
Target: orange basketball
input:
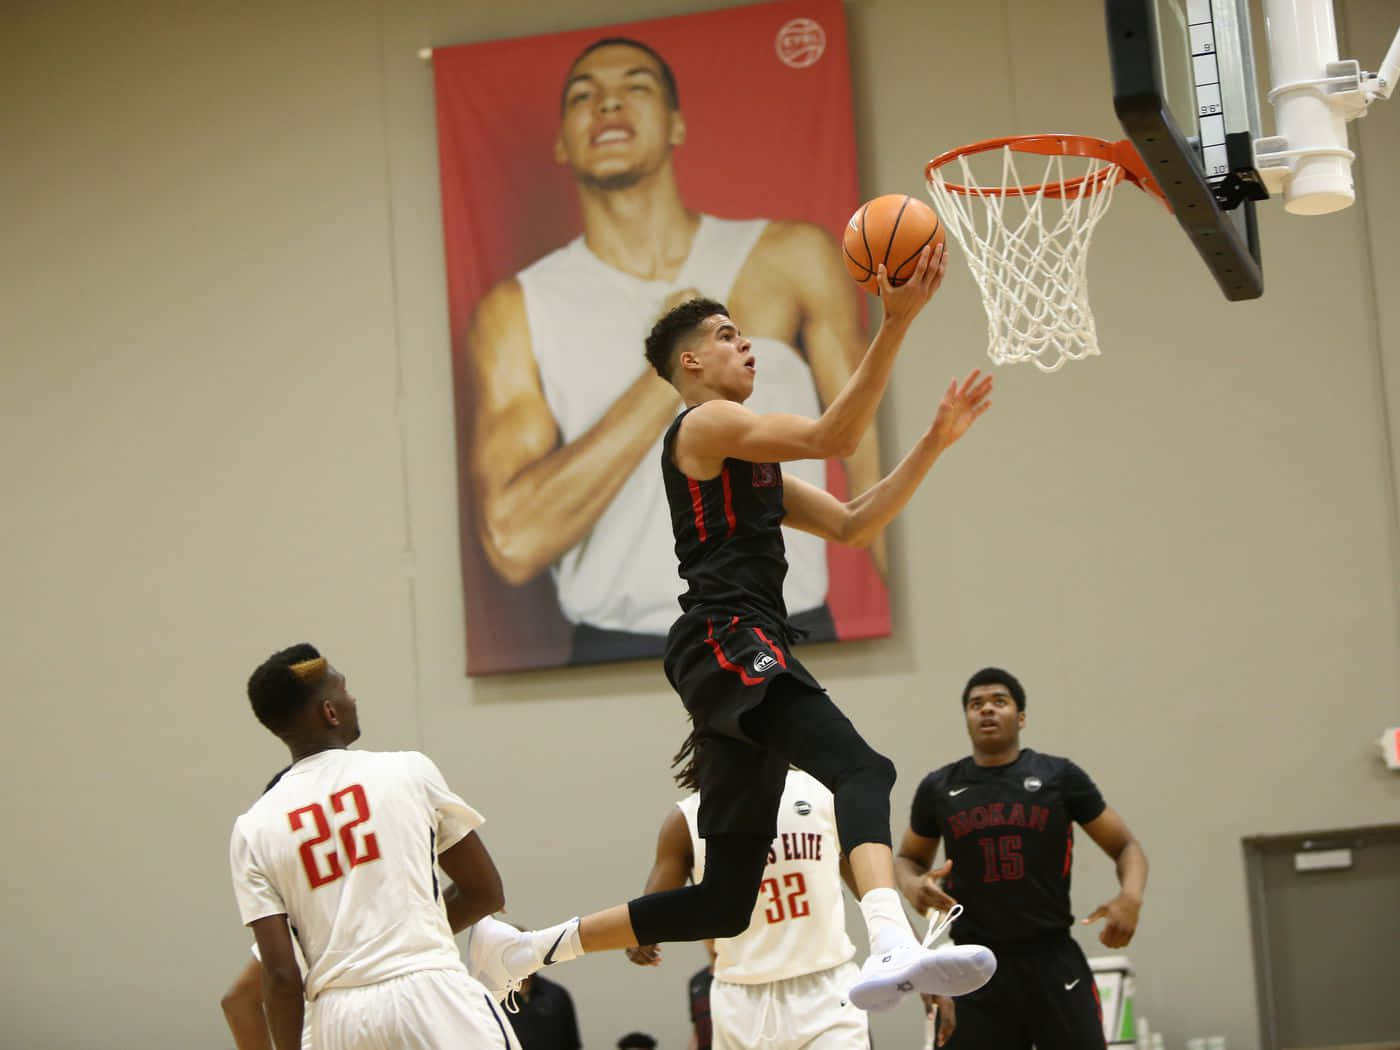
(892, 229)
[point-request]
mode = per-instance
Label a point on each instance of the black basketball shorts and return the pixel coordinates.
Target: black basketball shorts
(1043, 995)
(723, 666)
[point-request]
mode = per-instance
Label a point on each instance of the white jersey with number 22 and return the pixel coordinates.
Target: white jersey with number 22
(345, 846)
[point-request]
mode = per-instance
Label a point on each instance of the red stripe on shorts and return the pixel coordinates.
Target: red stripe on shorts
(725, 662)
(698, 505)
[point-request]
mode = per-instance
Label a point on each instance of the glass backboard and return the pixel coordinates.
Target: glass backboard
(1184, 89)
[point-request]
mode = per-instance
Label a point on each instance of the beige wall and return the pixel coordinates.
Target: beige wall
(225, 424)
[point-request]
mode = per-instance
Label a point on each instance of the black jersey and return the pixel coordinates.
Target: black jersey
(729, 540)
(1009, 831)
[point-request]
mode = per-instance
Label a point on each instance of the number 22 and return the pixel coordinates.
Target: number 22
(357, 851)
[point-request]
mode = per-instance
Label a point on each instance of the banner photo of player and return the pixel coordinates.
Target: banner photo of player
(590, 181)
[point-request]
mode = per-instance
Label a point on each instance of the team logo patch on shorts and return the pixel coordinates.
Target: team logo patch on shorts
(765, 475)
(763, 661)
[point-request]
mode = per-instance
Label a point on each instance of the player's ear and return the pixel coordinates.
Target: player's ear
(676, 136)
(329, 713)
(561, 155)
(1021, 719)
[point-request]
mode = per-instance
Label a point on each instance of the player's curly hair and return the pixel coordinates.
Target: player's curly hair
(686, 762)
(673, 328)
(284, 683)
(996, 676)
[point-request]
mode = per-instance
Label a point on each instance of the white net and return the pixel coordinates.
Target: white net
(1027, 245)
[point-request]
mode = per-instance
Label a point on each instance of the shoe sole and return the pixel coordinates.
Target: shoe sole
(949, 971)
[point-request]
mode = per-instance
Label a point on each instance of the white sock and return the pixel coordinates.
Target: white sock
(556, 943)
(885, 920)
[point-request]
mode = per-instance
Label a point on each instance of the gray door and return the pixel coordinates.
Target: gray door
(1326, 942)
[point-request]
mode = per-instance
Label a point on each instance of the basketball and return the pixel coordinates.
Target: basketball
(892, 229)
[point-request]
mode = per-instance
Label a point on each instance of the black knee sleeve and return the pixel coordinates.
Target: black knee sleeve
(726, 913)
(863, 802)
(811, 732)
(719, 905)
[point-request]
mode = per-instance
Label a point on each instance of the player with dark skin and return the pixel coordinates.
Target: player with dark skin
(331, 721)
(1017, 892)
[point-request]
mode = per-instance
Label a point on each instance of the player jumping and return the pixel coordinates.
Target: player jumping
(754, 707)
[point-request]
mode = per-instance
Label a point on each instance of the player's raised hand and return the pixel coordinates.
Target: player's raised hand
(930, 893)
(960, 407)
(903, 302)
(645, 954)
(1122, 915)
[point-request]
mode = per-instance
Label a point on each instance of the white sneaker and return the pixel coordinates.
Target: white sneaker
(950, 969)
(487, 942)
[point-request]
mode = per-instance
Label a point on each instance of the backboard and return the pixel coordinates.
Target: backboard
(1184, 90)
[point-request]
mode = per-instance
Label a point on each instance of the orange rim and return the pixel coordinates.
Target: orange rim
(1124, 158)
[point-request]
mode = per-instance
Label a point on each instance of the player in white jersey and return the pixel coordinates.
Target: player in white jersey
(567, 428)
(339, 856)
(781, 984)
(487, 942)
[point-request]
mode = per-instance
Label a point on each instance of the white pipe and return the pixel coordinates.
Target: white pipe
(1302, 40)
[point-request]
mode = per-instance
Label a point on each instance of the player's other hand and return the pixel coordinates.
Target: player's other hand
(645, 954)
(929, 892)
(904, 302)
(947, 1015)
(1122, 916)
(960, 407)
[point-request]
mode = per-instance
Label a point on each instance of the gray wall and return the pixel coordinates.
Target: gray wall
(226, 424)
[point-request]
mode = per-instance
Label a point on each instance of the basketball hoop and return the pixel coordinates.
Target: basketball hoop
(1028, 251)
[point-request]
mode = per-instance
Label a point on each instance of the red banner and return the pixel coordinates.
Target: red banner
(590, 180)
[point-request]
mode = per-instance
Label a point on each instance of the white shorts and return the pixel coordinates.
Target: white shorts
(427, 1010)
(810, 1012)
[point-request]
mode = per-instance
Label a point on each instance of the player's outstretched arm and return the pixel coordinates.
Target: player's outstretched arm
(670, 870)
(284, 997)
(720, 429)
(1111, 833)
(857, 522)
(832, 337)
(243, 1009)
(476, 890)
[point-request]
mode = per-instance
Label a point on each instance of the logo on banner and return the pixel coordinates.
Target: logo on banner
(801, 43)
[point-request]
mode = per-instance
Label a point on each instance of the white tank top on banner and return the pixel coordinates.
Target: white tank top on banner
(799, 921)
(588, 322)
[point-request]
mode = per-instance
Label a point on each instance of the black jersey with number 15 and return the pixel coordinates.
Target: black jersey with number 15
(729, 539)
(1009, 831)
